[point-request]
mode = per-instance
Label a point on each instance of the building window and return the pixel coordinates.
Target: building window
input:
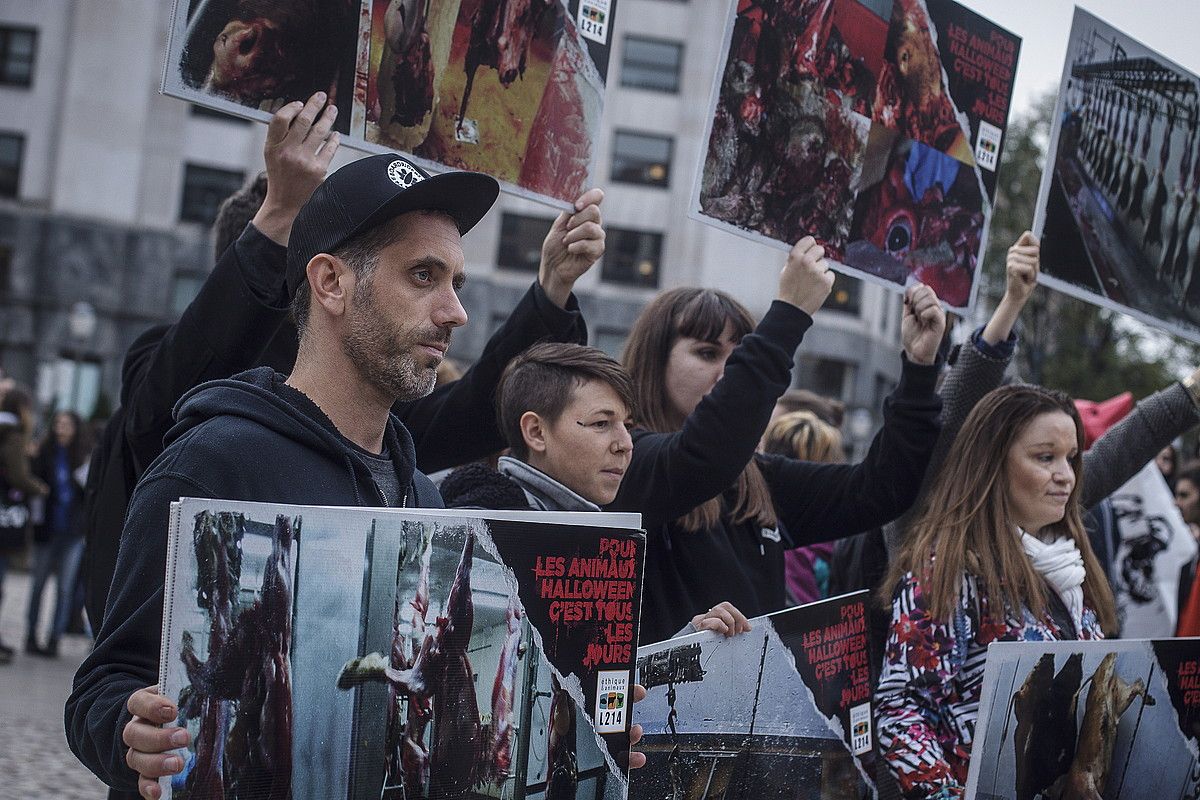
(17, 48)
(632, 257)
(204, 189)
(651, 64)
(521, 242)
(825, 376)
(846, 295)
(212, 113)
(12, 146)
(641, 158)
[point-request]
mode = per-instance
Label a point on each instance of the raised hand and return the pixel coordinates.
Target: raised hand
(575, 242)
(1021, 275)
(300, 144)
(923, 324)
(806, 279)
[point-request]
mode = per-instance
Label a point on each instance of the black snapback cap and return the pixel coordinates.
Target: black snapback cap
(373, 190)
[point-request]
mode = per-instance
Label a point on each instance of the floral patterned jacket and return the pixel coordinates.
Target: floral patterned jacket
(928, 696)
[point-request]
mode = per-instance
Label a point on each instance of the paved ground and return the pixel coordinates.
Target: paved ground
(34, 759)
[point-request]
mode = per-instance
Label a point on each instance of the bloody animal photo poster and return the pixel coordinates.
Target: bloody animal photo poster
(876, 126)
(251, 57)
(513, 88)
(1088, 719)
(1118, 210)
(785, 705)
(376, 653)
(1153, 546)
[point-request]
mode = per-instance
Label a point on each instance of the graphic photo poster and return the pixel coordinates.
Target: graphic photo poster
(512, 89)
(1071, 719)
(388, 653)
(876, 126)
(1118, 210)
(784, 705)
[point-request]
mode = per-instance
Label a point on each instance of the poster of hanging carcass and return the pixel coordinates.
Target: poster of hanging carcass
(513, 88)
(1118, 211)
(1088, 720)
(876, 126)
(785, 705)
(1153, 545)
(377, 653)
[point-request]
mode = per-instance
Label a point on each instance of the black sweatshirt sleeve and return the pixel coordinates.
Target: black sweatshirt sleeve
(672, 473)
(457, 422)
(821, 502)
(125, 656)
(223, 331)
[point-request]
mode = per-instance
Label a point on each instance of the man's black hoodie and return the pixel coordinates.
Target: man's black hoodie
(245, 438)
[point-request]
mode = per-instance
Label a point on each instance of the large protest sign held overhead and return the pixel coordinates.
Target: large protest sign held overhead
(513, 88)
(876, 126)
(1118, 210)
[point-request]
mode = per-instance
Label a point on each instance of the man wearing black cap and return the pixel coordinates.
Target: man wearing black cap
(376, 262)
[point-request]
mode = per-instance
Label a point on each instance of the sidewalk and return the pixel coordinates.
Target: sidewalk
(34, 758)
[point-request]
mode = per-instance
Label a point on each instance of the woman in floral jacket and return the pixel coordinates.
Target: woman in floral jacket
(999, 553)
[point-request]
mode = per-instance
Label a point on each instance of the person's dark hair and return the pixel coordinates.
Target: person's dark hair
(78, 449)
(699, 314)
(1189, 471)
(361, 254)
(235, 213)
(966, 517)
(542, 380)
(827, 409)
(19, 402)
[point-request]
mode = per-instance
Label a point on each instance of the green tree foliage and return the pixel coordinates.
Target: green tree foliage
(1066, 343)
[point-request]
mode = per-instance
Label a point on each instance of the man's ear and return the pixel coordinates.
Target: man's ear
(331, 282)
(533, 431)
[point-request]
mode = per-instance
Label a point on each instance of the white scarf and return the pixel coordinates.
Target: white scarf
(1061, 564)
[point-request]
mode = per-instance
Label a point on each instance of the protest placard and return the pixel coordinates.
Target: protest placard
(1118, 210)
(393, 653)
(514, 88)
(784, 705)
(1088, 719)
(876, 126)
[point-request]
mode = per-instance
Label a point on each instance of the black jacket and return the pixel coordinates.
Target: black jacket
(240, 320)
(242, 438)
(672, 473)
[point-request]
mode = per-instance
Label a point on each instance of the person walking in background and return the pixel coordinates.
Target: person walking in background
(58, 538)
(17, 482)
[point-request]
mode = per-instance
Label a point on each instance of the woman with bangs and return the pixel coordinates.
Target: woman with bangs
(998, 553)
(706, 380)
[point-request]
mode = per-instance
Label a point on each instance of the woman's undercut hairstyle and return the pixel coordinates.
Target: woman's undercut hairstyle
(966, 522)
(544, 378)
(804, 435)
(698, 314)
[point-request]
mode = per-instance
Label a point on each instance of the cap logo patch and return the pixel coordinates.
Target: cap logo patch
(404, 174)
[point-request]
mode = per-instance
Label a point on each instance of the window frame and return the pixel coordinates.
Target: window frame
(6, 57)
(611, 250)
(678, 45)
(185, 213)
(616, 177)
(19, 138)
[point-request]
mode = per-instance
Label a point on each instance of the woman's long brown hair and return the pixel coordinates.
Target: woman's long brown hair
(967, 521)
(699, 314)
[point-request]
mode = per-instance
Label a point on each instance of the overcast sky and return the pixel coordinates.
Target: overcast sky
(1171, 27)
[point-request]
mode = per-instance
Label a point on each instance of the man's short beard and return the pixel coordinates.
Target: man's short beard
(383, 356)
